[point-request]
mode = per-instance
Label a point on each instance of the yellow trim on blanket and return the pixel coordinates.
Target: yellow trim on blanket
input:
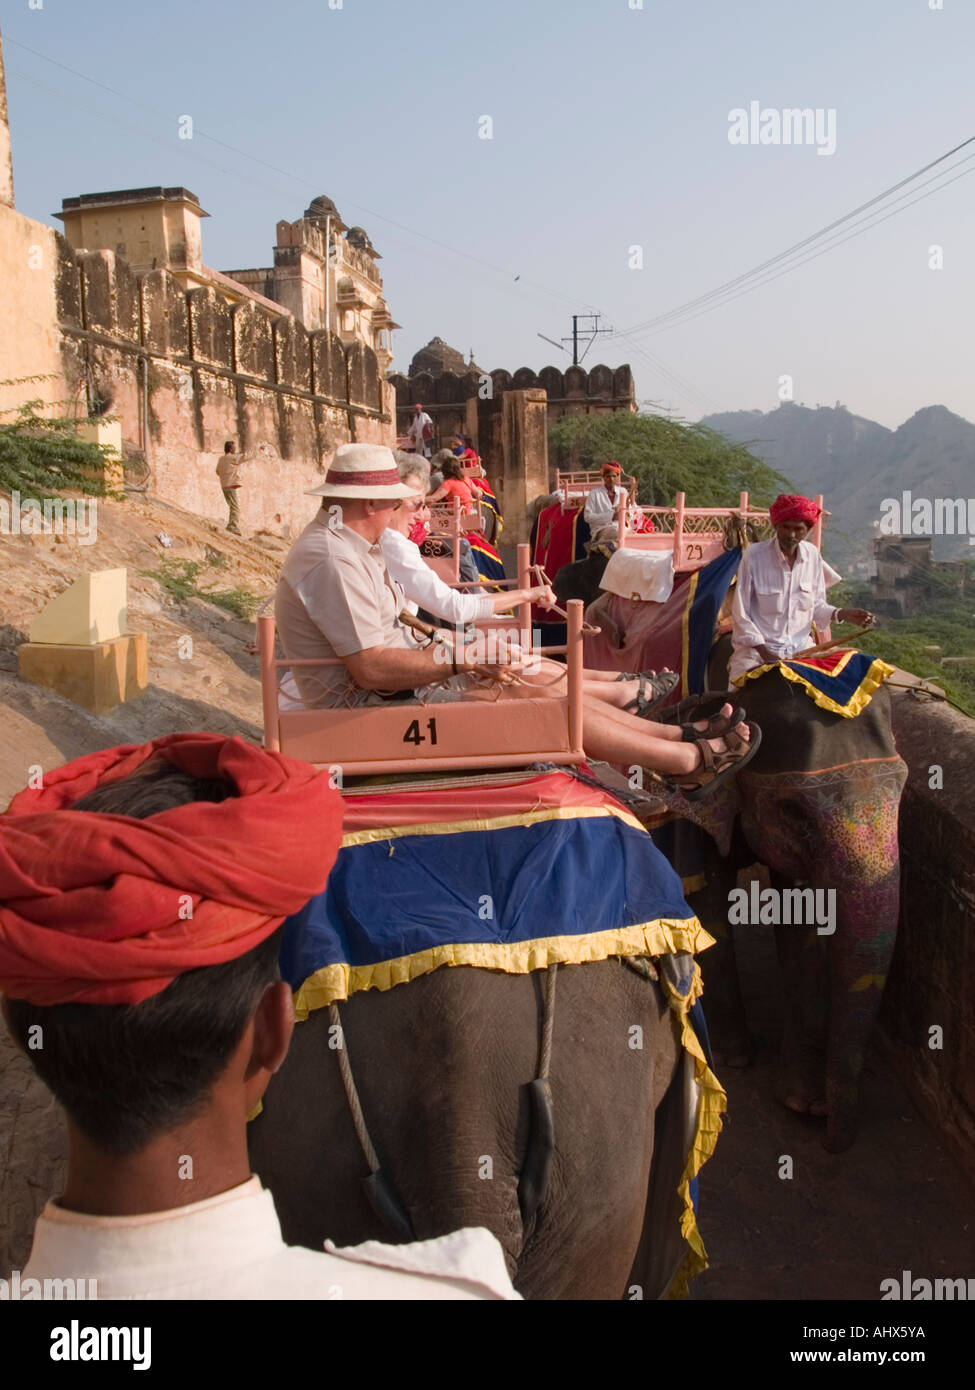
(685, 638)
(712, 1103)
(333, 983)
(879, 672)
(456, 827)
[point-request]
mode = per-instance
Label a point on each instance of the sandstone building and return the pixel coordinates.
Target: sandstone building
(121, 317)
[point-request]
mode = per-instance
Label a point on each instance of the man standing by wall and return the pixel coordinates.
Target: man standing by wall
(228, 471)
(421, 432)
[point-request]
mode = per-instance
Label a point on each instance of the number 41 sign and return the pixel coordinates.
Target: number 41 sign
(413, 734)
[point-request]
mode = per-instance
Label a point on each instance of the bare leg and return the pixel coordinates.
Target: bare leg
(601, 685)
(615, 737)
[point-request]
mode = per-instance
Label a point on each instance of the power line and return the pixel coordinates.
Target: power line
(658, 366)
(720, 291)
(858, 231)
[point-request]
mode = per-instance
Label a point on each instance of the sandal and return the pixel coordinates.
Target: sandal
(661, 684)
(718, 725)
(703, 706)
(717, 767)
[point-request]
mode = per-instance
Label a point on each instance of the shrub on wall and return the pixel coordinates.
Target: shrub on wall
(43, 454)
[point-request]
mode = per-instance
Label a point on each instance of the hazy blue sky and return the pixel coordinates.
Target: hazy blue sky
(610, 130)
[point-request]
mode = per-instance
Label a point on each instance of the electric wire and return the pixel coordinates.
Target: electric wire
(722, 292)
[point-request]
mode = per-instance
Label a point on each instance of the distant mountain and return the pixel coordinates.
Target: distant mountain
(855, 463)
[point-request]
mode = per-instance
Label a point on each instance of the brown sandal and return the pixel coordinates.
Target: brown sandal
(716, 767)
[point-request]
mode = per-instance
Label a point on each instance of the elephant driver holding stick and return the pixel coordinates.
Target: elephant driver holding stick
(337, 599)
(781, 591)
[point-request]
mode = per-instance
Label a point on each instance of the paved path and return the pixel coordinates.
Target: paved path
(843, 1222)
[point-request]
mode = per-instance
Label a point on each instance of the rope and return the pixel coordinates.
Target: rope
(548, 1023)
(352, 1095)
(542, 578)
(625, 797)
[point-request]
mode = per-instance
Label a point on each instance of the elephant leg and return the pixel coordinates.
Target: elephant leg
(859, 955)
(801, 1079)
(731, 1041)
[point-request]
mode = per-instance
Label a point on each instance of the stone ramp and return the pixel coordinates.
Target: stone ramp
(843, 1222)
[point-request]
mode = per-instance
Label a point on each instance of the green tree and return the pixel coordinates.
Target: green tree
(666, 457)
(43, 454)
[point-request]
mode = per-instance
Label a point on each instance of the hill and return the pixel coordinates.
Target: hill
(856, 463)
(204, 584)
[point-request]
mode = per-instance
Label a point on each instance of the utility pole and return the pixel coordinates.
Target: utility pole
(593, 331)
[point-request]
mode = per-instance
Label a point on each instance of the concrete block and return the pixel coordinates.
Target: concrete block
(92, 610)
(97, 677)
(107, 432)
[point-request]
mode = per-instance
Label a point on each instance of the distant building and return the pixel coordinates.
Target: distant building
(463, 398)
(907, 577)
(324, 273)
(439, 357)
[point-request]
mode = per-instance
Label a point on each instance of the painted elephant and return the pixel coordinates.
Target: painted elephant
(818, 804)
(441, 1067)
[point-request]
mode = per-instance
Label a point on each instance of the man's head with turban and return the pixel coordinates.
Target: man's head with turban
(793, 517)
(611, 474)
(142, 896)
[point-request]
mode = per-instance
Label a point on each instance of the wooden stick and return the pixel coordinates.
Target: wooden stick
(828, 646)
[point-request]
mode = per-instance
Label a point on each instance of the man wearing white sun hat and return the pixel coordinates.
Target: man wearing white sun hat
(335, 597)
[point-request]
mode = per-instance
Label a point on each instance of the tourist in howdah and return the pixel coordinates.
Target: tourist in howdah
(425, 589)
(336, 599)
(164, 1017)
(781, 591)
(441, 545)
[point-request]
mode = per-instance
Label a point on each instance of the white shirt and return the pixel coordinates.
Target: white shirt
(600, 509)
(230, 1246)
(417, 426)
(776, 603)
(334, 597)
(425, 589)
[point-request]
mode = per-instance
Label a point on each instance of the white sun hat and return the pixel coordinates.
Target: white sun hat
(362, 470)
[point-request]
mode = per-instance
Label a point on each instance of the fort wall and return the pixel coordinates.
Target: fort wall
(450, 399)
(183, 371)
(29, 334)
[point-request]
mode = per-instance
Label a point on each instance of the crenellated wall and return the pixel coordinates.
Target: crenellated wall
(451, 400)
(184, 371)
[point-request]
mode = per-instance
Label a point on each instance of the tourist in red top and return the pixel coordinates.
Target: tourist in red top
(453, 485)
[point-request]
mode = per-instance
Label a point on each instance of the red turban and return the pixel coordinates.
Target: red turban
(614, 466)
(790, 507)
(109, 909)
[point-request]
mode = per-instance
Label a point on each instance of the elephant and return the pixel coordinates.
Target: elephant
(440, 1064)
(581, 578)
(818, 804)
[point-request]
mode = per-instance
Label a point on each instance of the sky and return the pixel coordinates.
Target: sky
(608, 183)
